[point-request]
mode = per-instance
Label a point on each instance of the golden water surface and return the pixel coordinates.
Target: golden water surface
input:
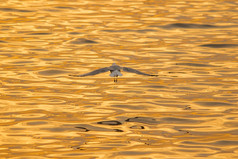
(188, 111)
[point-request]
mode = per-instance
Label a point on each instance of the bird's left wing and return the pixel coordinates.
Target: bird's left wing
(101, 70)
(127, 69)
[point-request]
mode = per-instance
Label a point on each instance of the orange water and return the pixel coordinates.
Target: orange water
(188, 111)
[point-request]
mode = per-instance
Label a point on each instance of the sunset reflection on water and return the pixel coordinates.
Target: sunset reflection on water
(188, 111)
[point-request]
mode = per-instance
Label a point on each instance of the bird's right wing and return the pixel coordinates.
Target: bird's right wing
(127, 69)
(101, 70)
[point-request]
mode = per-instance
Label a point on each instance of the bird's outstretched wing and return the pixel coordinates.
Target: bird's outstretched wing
(127, 69)
(101, 70)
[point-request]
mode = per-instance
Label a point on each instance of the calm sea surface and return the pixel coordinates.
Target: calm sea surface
(189, 111)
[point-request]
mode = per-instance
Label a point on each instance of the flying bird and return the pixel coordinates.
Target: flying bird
(115, 71)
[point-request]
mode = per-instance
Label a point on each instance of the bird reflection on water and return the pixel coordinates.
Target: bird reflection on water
(115, 71)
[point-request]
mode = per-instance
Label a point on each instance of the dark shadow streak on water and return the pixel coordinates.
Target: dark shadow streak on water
(191, 26)
(214, 104)
(146, 120)
(62, 7)
(111, 122)
(86, 128)
(219, 143)
(195, 64)
(219, 45)
(82, 41)
(2, 41)
(38, 49)
(14, 10)
(51, 72)
(39, 33)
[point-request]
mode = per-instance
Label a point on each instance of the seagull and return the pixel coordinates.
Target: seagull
(115, 71)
